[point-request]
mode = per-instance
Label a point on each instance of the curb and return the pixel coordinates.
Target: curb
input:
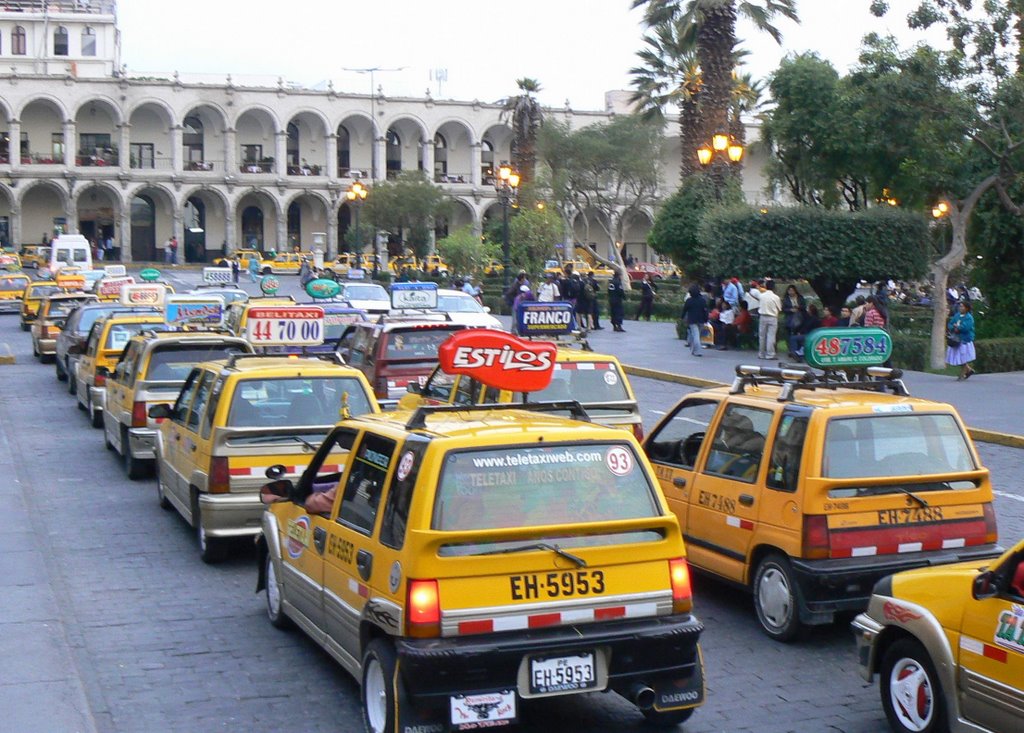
(980, 435)
(6, 355)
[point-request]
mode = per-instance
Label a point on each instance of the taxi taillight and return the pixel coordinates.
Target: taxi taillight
(638, 431)
(100, 378)
(220, 479)
(682, 596)
(139, 414)
(816, 540)
(423, 609)
(991, 535)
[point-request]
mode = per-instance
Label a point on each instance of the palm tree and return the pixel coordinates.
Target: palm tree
(526, 116)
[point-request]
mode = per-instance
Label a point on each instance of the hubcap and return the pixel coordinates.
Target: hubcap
(273, 591)
(774, 597)
(910, 692)
(375, 696)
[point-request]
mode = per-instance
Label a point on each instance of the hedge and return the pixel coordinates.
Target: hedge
(994, 355)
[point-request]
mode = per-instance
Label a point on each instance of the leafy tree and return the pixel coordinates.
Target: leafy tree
(675, 228)
(526, 116)
(465, 252)
(407, 207)
(533, 234)
(359, 242)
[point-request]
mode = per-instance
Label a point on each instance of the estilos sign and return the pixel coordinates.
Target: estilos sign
(499, 359)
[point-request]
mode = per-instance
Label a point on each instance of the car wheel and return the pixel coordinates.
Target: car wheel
(24, 326)
(160, 495)
(211, 550)
(379, 696)
(72, 380)
(35, 350)
(910, 689)
(107, 443)
(775, 598)
(95, 417)
(268, 271)
(135, 468)
(275, 596)
(667, 718)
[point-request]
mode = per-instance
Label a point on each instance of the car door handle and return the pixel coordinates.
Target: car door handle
(679, 481)
(746, 500)
(364, 563)
(319, 539)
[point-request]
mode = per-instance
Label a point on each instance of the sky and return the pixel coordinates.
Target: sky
(576, 49)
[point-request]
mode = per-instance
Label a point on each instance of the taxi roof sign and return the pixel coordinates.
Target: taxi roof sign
(414, 295)
(143, 294)
(111, 286)
(285, 325)
(499, 359)
(217, 275)
(115, 271)
(193, 310)
(71, 282)
(844, 348)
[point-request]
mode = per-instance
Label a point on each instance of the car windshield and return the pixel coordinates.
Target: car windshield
(173, 362)
(12, 283)
(120, 334)
(335, 323)
(41, 291)
(527, 486)
(895, 444)
(415, 343)
(295, 401)
(60, 308)
(458, 304)
(589, 383)
(366, 292)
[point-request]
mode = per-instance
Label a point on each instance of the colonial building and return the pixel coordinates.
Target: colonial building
(226, 162)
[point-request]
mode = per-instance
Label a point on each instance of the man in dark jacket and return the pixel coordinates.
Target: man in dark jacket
(647, 291)
(595, 302)
(695, 315)
(616, 302)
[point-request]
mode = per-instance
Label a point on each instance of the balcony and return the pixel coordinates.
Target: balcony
(257, 166)
(304, 170)
(95, 7)
(41, 159)
(100, 158)
(452, 178)
(201, 165)
(357, 173)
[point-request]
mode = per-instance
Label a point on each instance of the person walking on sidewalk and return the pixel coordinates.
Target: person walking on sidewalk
(647, 291)
(768, 323)
(616, 302)
(960, 340)
(695, 315)
(595, 302)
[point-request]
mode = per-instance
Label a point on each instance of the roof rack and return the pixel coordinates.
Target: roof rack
(333, 358)
(792, 377)
(418, 421)
(414, 314)
(574, 340)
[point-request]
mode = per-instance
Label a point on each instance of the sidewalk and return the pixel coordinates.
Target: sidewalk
(990, 404)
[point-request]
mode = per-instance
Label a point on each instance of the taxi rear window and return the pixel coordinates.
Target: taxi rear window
(544, 485)
(60, 308)
(174, 363)
(588, 383)
(895, 444)
(41, 291)
(415, 343)
(295, 401)
(120, 334)
(12, 283)
(335, 324)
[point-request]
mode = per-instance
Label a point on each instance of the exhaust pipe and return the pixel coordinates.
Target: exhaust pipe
(641, 695)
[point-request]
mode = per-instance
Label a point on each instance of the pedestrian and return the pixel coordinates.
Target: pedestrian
(254, 269)
(108, 246)
(731, 292)
(548, 290)
(744, 325)
(525, 295)
(99, 250)
(474, 291)
(857, 314)
(725, 332)
(695, 315)
(617, 302)
(873, 314)
(829, 320)
(845, 314)
(592, 285)
(769, 308)
(794, 313)
(170, 248)
(584, 304)
(960, 340)
(571, 286)
(811, 321)
(235, 268)
(647, 291)
(46, 240)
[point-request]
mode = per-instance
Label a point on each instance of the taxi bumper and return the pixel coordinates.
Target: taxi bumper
(98, 395)
(865, 632)
(647, 651)
(231, 515)
(10, 305)
(47, 346)
(142, 443)
(828, 586)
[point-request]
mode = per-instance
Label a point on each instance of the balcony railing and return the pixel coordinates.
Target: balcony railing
(41, 159)
(353, 172)
(162, 163)
(452, 178)
(256, 167)
(201, 165)
(94, 7)
(304, 170)
(99, 158)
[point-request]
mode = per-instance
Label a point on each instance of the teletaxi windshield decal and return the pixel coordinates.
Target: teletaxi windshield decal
(499, 359)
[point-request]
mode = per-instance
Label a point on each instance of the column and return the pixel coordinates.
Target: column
(281, 153)
(380, 151)
(178, 229)
(125, 146)
(71, 214)
(229, 229)
(428, 159)
(16, 238)
(70, 143)
(332, 156)
(476, 162)
(282, 232)
(124, 239)
(230, 158)
(176, 145)
(14, 126)
(332, 235)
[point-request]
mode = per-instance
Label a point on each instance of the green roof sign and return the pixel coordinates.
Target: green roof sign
(269, 284)
(841, 348)
(322, 288)
(150, 274)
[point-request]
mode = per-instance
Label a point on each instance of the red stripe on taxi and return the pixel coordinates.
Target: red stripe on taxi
(994, 652)
(907, 538)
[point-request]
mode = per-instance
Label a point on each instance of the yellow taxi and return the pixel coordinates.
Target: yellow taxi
(236, 319)
(806, 489)
(397, 264)
(35, 256)
(12, 290)
(285, 263)
(53, 311)
(350, 261)
(243, 256)
(948, 646)
(151, 371)
(32, 298)
(581, 266)
(494, 267)
(100, 352)
(235, 418)
(434, 265)
(9, 262)
(461, 563)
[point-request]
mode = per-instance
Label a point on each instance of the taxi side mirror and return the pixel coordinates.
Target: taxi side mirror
(413, 388)
(984, 586)
(275, 491)
(275, 472)
(61, 323)
(160, 412)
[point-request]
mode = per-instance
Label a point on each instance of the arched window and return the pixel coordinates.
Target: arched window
(192, 141)
(60, 41)
(88, 41)
(440, 158)
(18, 41)
(344, 151)
(487, 161)
(394, 154)
(292, 144)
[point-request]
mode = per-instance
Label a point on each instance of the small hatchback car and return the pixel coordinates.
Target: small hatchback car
(461, 562)
(948, 645)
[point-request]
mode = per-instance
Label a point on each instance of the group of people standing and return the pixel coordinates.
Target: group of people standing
(568, 286)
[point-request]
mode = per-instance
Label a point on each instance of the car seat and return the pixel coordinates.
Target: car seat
(306, 410)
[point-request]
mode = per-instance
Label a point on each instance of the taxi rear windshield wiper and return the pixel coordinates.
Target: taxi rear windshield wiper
(904, 490)
(580, 562)
(276, 438)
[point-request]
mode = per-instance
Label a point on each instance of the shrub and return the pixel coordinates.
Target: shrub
(1000, 355)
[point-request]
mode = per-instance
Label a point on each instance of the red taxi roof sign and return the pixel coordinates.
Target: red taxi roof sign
(110, 287)
(285, 325)
(143, 294)
(499, 359)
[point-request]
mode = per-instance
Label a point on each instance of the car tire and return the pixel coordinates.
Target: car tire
(378, 693)
(268, 271)
(134, 468)
(776, 598)
(667, 718)
(275, 596)
(24, 326)
(161, 497)
(72, 381)
(908, 678)
(211, 550)
(106, 439)
(96, 420)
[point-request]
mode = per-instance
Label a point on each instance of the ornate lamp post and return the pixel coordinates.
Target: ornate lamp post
(506, 184)
(356, 195)
(722, 145)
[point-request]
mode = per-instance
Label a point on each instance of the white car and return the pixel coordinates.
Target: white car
(463, 308)
(369, 297)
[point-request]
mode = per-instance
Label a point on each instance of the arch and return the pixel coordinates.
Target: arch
(453, 162)
(5, 110)
(312, 112)
(45, 100)
(104, 186)
(102, 100)
(460, 215)
(221, 116)
(9, 234)
(171, 115)
(255, 110)
(400, 120)
(260, 229)
(370, 123)
(52, 185)
(313, 194)
(94, 218)
(214, 205)
(160, 188)
(40, 203)
(307, 212)
(149, 136)
(206, 189)
(151, 219)
(456, 121)
(306, 147)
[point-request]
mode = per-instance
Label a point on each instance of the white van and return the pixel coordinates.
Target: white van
(70, 250)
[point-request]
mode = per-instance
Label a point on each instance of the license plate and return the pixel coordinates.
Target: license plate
(487, 710)
(562, 674)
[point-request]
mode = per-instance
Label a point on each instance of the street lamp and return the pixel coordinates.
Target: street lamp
(721, 145)
(506, 184)
(356, 195)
